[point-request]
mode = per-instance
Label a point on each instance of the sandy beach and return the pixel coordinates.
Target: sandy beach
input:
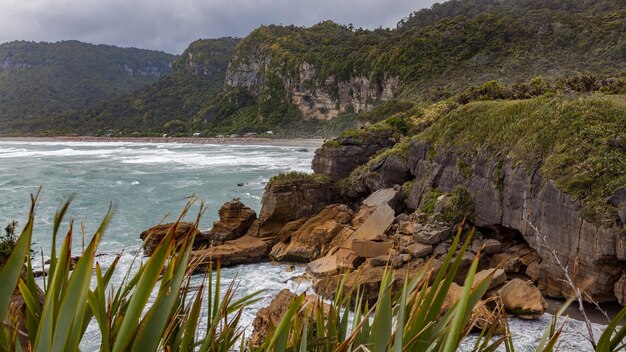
(303, 143)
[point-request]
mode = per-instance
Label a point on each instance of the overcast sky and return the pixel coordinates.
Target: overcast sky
(170, 25)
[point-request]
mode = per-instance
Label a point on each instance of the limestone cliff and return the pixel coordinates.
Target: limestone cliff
(541, 175)
(317, 97)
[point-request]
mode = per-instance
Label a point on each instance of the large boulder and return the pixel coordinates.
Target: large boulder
(235, 220)
(339, 157)
(481, 315)
(383, 173)
(291, 197)
(244, 250)
(154, 235)
(313, 238)
(523, 299)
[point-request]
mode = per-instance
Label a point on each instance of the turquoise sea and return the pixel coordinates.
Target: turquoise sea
(146, 182)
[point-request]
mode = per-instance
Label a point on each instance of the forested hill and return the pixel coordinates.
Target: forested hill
(39, 79)
(319, 80)
(197, 77)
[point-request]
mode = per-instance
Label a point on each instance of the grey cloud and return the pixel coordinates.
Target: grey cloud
(171, 25)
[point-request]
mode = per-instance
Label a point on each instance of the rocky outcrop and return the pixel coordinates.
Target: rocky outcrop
(286, 201)
(384, 173)
(268, 318)
(513, 197)
(312, 240)
(244, 250)
(235, 221)
(154, 235)
(337, 159)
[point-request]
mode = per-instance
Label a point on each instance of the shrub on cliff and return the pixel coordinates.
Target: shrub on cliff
(297, 177)
(570, 138)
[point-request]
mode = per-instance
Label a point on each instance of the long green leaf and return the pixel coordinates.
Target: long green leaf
(10, 272)
(155, 321)
(145, 284)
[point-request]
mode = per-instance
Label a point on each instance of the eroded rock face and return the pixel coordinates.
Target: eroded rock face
(289, 201)
(317, 99)
(509, 195)
(382, 174)
(235, 220)
(154, 235)
(338, 159)
(312, 240)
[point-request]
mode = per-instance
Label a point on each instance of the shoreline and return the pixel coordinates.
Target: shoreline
(278, 142)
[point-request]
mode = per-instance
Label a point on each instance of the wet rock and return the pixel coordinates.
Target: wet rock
(268, 318)
(523, 299)
(244, 250)
(370, 249)
(235, 220)
(288, 200)
(313, 238)
(419, 250)
(154, 235)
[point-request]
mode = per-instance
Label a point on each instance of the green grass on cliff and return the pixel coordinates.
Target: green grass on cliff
(579, 141)
(284, 178)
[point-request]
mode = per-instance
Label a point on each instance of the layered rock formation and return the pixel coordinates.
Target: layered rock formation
(154, 235)
(512, 198)
(313, 238)
(288, 200)
(244, 250)
(235, 221)
(344, 154)
(516, 198)
(321, 98)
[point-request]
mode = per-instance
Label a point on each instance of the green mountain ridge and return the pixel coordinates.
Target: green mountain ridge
(39, 79)
(320, 80)
(198, 76)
